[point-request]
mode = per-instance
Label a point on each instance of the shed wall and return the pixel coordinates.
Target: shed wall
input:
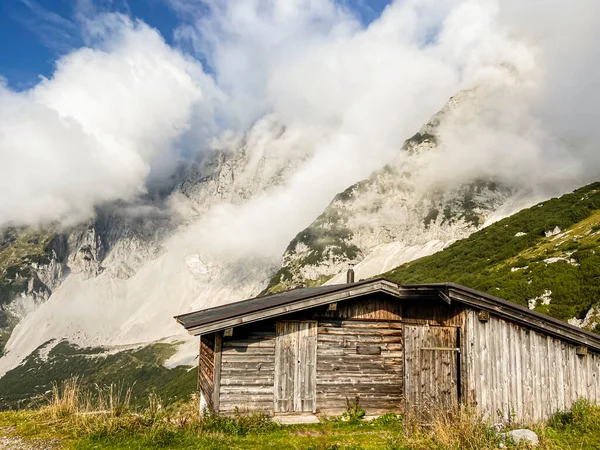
(206, 367)
(247, 369)
(515, 374)
(358, 357)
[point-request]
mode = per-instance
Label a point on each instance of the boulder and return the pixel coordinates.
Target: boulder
(522, 435)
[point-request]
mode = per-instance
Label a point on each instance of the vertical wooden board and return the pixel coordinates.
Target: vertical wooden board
(505, 369)
(594, 378)
(572, 374)
(305, 383)
(540, 383)
(517, 373)
(493, 340)
(409, 333)
(526, 365)
(484, 374)
(550, 394)
(560, 371)
(588, 385)
(217, 371)
(206, 368)
(284, 367)
(471, 364)
(581, 376)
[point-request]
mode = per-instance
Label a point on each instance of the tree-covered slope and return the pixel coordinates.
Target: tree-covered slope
(546, 257)
(140, 369)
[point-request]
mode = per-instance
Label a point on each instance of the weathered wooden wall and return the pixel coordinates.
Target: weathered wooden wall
(521, 375)
(247, 367)
(206, 367)
(374, 307)
(359, 352)
(506, 370)
(359, 357)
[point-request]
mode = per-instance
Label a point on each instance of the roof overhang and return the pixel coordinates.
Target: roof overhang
(238, 314)
(350, 291)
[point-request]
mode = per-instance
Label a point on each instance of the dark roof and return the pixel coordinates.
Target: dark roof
(221, 317)
(229, 310)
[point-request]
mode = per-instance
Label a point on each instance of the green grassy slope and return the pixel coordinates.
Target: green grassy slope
(516, 260)
(141, 369)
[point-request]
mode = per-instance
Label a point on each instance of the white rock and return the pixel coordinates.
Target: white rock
(521, 435)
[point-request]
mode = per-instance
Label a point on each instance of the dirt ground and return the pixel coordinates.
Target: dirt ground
(16, 443)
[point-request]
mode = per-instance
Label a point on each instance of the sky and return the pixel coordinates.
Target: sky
(102, 100)
(33, 33)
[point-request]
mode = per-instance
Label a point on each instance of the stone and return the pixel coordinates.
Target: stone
(521, 435)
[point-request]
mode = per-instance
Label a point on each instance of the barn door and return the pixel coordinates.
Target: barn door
(295, 366)
(432, 367)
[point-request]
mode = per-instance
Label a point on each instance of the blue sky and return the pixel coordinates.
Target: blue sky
(34, 33)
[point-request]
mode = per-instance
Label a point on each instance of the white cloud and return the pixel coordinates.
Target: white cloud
(92, 132)
(122, 110)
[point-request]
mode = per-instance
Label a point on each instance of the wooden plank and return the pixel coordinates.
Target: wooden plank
(217, 371)
(359, 324)
(306, 368)
(518, 373)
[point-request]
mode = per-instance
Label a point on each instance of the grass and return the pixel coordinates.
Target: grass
(83, 420)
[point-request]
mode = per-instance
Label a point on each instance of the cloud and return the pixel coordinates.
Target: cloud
(94, 131)
(127, 108)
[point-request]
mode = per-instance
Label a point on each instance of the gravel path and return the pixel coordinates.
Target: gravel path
(16, 443)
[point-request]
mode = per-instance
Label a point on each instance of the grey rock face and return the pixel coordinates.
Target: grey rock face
(394, 205)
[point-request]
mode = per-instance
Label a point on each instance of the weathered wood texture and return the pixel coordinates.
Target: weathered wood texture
(432, 311)
(295, 366)
(522, 375)
(248, 361)
(206, 367)
(374, 307)
(432, 367)
(359, 357)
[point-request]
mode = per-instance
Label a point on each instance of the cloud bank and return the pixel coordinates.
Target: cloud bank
(128, 108)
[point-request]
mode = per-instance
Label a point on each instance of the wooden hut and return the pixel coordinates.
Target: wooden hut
(398, 347)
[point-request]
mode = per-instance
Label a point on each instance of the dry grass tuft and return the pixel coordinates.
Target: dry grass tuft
(64, 399)
(456, 428)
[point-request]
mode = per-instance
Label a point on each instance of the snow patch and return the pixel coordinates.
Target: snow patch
(554, 232)
(520, 234)
(560, 258)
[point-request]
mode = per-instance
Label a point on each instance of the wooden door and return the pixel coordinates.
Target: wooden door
(295, 366)
(432, 367)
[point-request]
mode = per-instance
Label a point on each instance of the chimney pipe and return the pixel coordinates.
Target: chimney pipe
(350, 276)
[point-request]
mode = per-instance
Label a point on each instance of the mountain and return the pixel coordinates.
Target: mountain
(121, 277)
(546, 257)
(394, 216)
(88, 298)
